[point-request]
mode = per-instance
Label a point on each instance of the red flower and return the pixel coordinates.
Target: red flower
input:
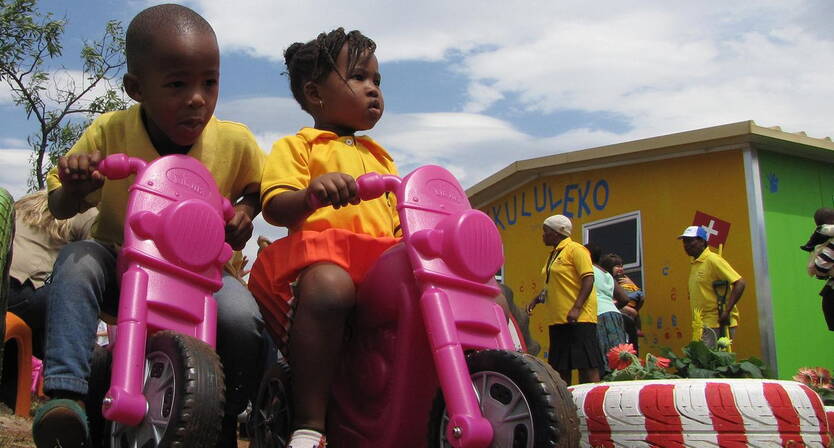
(618, 356)
(815, 377)
(662, 362)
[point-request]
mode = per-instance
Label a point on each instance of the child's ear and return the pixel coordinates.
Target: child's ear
(312, 94)
(131, 84)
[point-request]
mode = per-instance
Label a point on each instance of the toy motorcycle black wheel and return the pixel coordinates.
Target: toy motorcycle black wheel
(524, 399)
(269, 422)
(185, 393)
(98, 382)
(6, 236)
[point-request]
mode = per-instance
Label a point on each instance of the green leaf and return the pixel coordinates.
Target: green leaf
(696, 372)
(701, 354)
(751, 369)
(724, 358)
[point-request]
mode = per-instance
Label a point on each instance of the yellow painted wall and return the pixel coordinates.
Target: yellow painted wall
(667, 193)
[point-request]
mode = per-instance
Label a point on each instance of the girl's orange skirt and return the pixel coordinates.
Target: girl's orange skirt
(279, 265)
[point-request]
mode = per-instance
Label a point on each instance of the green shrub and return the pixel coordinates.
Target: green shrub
(699, 361)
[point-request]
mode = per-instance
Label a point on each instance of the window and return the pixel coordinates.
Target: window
(620, 235)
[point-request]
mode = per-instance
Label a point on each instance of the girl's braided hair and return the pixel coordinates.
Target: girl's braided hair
(314, 60)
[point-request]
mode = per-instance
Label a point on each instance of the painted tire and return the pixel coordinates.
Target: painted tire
(700, 413)
(829, 415)
(6, 236)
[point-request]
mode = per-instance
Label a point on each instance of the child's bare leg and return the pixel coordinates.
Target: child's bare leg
(326, 297)
(566, 376)
(588, 375)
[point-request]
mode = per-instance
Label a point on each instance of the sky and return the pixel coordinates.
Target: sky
(474, 85)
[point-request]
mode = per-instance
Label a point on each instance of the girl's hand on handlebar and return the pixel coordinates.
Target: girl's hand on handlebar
(79, 173)
(336, 189)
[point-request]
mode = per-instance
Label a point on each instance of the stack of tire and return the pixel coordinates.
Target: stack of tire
(6, 235)
(725, 413)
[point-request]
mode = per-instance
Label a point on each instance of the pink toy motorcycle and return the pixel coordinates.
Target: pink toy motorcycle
(166, 381)
(425, 320)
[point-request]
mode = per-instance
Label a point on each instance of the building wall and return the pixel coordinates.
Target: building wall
(667, 193)
(792, 189)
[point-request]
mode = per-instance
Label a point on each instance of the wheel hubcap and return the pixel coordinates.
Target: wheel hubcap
(160, 393)
(506, 408)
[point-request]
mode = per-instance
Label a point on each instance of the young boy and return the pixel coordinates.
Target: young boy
(173, 68)
(821, 262)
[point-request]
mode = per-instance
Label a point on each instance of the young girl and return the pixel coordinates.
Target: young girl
(335, 78)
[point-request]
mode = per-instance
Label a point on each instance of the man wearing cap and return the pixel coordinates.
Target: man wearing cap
(708, 268)
(571, 301)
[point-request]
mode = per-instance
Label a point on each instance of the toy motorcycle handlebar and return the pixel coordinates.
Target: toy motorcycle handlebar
(368, 186)
(120, 166)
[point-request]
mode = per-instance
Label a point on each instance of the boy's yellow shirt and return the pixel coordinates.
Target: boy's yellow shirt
(227, 149)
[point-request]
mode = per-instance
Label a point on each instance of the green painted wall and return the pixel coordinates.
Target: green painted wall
(792, 189)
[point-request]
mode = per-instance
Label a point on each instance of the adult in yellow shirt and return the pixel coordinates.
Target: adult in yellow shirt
(708, 268)
(570, 303)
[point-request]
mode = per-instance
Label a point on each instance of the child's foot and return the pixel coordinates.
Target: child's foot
(62, 423)
(307, 438)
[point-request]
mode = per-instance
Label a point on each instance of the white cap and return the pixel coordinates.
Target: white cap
(695, 232)
(560, 224)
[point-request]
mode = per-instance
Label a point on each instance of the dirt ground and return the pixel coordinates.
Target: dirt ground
(16, 432)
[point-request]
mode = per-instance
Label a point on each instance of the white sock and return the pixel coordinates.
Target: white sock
(305, 438)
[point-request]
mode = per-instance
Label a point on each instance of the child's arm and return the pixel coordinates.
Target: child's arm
(735, 296)
(239, 228)
(290, 208)
(79, 177)
(620, 296)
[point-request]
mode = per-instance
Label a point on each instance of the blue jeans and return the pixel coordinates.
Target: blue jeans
(29, 304)
(84, 285)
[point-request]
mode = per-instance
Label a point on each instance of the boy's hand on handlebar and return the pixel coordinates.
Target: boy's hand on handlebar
(79, 173)
(239, 229)
(336, 189)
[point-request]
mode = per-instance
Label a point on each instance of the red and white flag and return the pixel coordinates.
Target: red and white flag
(717, 229)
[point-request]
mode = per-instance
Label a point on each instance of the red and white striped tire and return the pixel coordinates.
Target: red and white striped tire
(724, 413)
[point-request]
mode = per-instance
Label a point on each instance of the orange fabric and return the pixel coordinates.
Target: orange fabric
(282, 261)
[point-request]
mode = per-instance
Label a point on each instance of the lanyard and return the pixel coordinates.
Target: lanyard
(553, 256)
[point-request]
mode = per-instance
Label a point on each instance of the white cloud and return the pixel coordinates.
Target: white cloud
(5, 94)
(11, 142)
(481, 96)
(15, 171)
(63, 81)
(663, 68)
